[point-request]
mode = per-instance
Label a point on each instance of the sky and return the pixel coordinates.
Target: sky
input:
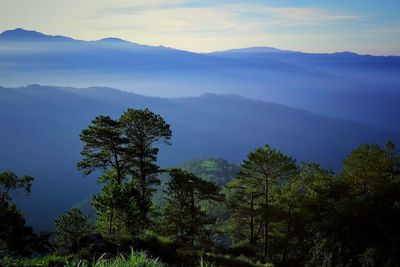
(363, 26)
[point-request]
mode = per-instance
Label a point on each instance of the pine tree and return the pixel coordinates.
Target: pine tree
(183, 217)
(144, 130)
(126, 153)
(264, 168)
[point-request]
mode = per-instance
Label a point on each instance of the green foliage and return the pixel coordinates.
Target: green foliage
(274, 211)
(135, 259)
(356, 216)
(204, 263)
(47, 261)
(183, 218)
(215, 170)
(104, 148)
(10, 182)
(126, 153)
(144, 130)
(70, 226)
(117, 209)
(265, 169)
(14, 234)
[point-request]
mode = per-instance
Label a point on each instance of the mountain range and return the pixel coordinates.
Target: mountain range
(345, 85)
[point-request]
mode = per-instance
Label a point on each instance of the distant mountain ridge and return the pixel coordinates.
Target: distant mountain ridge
(20, 34)
(361, 88)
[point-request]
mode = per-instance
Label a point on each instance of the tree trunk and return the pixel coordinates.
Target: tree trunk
(111, 221)
(142, 178)
(251, 218)
(142, 174)
(288, 229)
(192, 226)
(118, 169)
(266, 254)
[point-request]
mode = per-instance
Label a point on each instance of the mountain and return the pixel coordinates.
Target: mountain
(339, 61)
(21, 35)
(41, 125)
(346, 85)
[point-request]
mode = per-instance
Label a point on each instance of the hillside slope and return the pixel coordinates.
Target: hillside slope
(41, 125)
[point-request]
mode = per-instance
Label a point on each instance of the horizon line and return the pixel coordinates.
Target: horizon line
(197, 52)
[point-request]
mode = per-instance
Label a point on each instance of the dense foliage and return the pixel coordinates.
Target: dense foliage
(70, 226)
(270, 210)
(124, 150)
(15, 236)
(183, 217)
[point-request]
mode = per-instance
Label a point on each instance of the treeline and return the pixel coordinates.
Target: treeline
(274, 211)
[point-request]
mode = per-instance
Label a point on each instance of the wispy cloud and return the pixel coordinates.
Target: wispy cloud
(201, 27)
(290, 15)
(175, 16)
(204, 25)
(130, 7)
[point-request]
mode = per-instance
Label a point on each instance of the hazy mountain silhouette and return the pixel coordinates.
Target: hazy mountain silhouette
(362, 88)
(41, 125)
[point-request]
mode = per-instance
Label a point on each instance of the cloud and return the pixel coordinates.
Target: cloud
(292, 15)
(131, 7)
(188, 25)
(196, 25)
(178, 16)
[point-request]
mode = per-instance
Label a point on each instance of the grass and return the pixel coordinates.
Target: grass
(49, 260)
(204, 263)
(135, 259)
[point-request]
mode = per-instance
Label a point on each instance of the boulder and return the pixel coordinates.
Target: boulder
(94, 243)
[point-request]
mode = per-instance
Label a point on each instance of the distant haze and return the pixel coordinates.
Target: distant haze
(360, 88)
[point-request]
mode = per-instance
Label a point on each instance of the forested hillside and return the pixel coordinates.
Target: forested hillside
(270, 210)
(42, 126)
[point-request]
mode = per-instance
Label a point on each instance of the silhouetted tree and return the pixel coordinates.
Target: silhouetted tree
(126, 153)
(183, 217)
(15, 236)
(143, 130)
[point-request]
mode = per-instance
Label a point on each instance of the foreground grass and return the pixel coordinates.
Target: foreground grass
(140, 259)
(135, 259)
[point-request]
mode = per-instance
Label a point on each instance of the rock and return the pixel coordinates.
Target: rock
(94, 242)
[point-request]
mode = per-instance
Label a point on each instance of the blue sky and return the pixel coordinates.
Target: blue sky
(364, 26)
